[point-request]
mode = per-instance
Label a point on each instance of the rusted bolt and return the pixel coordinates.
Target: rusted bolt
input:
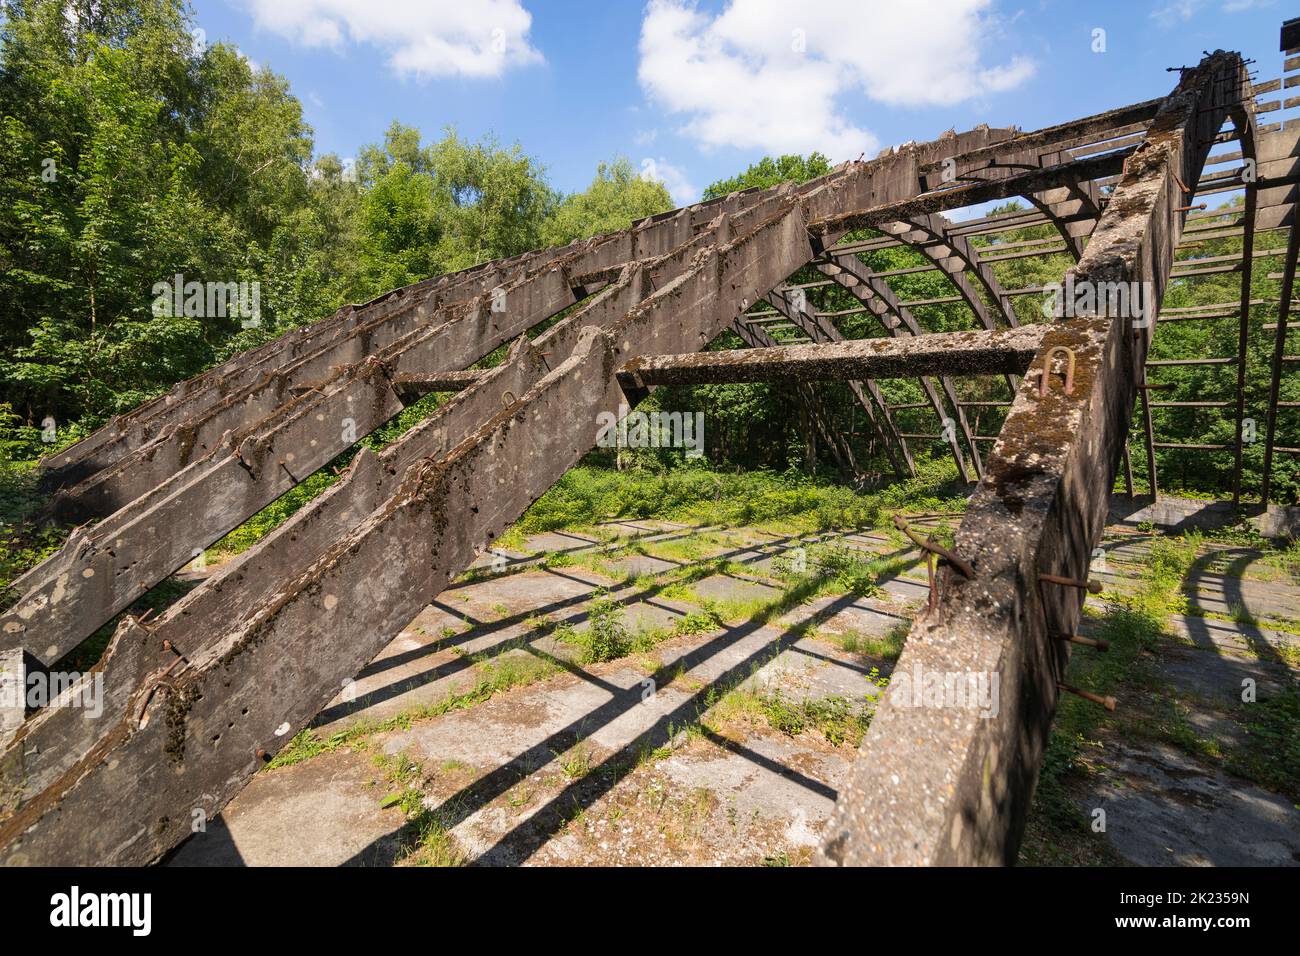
(1094, 586)
(1100, 644)
(1107, 702)
(263, 756)
(1047, 369)
(507, 398)
(1190, 208)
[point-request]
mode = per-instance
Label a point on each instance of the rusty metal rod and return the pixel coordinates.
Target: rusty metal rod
(1094, 587)
(929, 544)
(1100, 644)
(1108, 702)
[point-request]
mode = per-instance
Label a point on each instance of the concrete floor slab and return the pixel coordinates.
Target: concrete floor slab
(1164, 809)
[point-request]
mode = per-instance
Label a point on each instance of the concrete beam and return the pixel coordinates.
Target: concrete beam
(944, 784)
(1003, 185)
(867, 393)
(222, 466)
(100, 571)
(813, 408)
(955, 353)
(853, 274)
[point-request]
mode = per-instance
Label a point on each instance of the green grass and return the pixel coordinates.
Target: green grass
(836, 718)
(1272, 755)
(700, 496)
(886, 647)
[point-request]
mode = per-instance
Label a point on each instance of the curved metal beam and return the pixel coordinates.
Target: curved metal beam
(867, 392)
(756, 336)
(931, 236)
(853, 274)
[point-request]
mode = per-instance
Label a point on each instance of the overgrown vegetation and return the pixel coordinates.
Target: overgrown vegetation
(700, 495)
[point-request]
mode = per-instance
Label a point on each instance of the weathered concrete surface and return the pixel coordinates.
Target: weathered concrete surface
(285, 657)
(255, 685)
(581, 260)
(1179, 514)
(290, 644)
(954, 353)
(959, 790)
(214, 463)
(753, 794)
(324, 814)
(1164, 809)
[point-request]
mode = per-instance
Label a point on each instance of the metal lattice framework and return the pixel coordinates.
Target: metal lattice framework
(197, 698)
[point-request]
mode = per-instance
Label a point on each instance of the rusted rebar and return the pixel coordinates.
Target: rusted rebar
(929, 544)
(1108, 702)
(1047, 369)
(1095, 587)
(1100, 644)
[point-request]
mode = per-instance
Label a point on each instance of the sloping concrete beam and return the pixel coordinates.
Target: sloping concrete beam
(938, 783)
(930, 235)
(192, 739)
(1003, 186)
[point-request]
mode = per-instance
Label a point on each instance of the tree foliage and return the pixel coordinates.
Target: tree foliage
(131, 154)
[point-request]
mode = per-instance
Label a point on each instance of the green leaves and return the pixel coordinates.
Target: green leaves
(616, 197)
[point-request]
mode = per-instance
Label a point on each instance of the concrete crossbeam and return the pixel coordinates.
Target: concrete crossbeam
(953, 353)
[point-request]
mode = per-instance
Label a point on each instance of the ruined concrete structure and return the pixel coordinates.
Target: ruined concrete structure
(196, 699)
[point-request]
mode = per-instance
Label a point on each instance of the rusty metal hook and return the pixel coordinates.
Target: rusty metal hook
(1047, 369)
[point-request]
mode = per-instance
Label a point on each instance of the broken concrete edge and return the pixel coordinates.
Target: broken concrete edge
(947, 784)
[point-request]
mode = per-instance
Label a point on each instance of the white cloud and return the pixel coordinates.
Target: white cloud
(1176, 12)
(423, 38)
(674, 179)
(1179, 11)
(768, 74)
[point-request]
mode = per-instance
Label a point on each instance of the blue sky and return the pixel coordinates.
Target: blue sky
(693, 92)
